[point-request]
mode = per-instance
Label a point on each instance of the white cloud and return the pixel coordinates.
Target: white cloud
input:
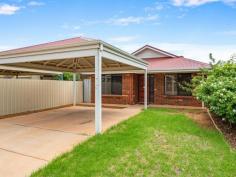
(7, 9)
(198, 52)
(120, 39)
(35, 3)
(189, 3)
(131, 20)
(156, 7)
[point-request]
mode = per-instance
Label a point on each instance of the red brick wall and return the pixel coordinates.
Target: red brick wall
(129, 91)
(162, 99)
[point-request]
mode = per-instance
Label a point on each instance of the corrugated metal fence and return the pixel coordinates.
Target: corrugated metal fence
(17, 96)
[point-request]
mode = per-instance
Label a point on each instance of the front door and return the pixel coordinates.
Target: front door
(150, 88)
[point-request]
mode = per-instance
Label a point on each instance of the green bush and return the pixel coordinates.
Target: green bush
(218, 90)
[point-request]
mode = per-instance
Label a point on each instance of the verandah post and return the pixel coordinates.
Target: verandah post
(98, 90)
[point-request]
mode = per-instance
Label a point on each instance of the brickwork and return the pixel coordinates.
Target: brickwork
(162, 99)
(130, 93)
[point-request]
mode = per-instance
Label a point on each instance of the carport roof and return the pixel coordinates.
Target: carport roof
(48, 45)
(65, 55)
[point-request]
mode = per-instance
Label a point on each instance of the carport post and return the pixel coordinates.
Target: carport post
(145, 89)
(74, 89)
(98, 90)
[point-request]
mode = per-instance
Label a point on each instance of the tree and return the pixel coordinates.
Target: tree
(218, 89)
(67, 76)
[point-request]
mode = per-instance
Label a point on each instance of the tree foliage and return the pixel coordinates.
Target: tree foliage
(217, 89)
(66, 76)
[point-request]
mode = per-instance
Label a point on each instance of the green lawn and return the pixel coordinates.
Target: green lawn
(157, 142)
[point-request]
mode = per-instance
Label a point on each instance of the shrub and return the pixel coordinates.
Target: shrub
(218, 90)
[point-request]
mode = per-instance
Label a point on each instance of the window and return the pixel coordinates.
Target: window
(173, 84)
(112, 84)
(170, 85)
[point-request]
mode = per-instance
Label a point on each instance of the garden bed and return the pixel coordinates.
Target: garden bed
(228, 130)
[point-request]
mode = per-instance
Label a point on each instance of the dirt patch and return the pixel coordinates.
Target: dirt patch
(198, 115)
(228, 130)
(201, 117)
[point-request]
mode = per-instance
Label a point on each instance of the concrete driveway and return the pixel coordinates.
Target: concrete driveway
(29, 142)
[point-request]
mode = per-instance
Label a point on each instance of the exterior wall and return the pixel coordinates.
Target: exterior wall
(161, 99)
(24, 95)
(129, 91)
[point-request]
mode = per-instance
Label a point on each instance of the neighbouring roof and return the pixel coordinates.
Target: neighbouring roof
(170, 64)
(59, 43)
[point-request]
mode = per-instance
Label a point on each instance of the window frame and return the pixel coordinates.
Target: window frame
(110, 91)
(174, 92)
(175, 83)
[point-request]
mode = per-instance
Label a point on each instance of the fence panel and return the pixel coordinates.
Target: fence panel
(18, 96)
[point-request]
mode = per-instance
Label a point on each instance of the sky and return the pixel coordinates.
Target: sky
(190, 28)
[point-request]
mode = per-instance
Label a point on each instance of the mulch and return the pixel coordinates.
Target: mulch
(228, 130)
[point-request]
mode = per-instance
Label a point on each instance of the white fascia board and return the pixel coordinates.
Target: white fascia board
(174, 71)
(123, 59)
(49, 56)
(10, 68)
(116, 72)
(142, 71)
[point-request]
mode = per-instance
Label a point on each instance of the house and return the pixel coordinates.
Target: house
(122, 81)
(166, 72)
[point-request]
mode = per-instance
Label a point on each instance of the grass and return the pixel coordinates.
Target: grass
(153, 143)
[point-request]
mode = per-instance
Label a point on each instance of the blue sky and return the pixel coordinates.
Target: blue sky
(192, 28)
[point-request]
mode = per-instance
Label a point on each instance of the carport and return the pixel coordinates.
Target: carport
(77, 55)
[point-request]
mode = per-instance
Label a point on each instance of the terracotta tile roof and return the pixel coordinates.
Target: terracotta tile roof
(49, 44)
(176, 63)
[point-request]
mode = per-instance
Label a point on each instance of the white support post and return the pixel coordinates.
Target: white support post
(74, 89)
(98, 90)
(145, 89)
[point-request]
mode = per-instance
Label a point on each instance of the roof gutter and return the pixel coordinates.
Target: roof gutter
(175, 71)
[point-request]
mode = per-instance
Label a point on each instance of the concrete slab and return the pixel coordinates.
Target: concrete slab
(17, 165)
(30, 141)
